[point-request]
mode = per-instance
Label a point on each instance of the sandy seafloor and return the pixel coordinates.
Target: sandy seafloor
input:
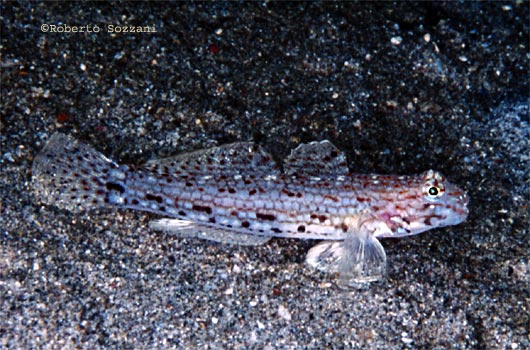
(399, 87)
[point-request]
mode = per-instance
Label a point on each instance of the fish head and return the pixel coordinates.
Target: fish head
(431, 202)
(447, 203)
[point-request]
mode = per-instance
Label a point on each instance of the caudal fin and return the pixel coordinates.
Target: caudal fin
(72, 175)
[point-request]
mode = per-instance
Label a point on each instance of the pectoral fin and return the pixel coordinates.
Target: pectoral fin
(357, 259)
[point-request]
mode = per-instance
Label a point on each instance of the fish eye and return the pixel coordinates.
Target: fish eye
(434, 191)
(433, 187)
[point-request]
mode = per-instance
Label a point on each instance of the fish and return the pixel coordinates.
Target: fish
(237, 193)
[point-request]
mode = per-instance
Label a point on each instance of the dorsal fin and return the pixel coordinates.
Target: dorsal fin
(234, 158)
(316, 159)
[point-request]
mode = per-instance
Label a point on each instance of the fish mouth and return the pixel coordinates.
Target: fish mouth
(465, 201)
(458, 209)
(461, 207)
(459, 203)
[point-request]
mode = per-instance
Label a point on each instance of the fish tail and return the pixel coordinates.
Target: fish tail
(74, 176)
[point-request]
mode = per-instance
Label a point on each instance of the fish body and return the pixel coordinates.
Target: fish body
(237, 194)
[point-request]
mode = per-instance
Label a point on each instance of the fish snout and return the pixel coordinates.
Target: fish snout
(463, 200)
